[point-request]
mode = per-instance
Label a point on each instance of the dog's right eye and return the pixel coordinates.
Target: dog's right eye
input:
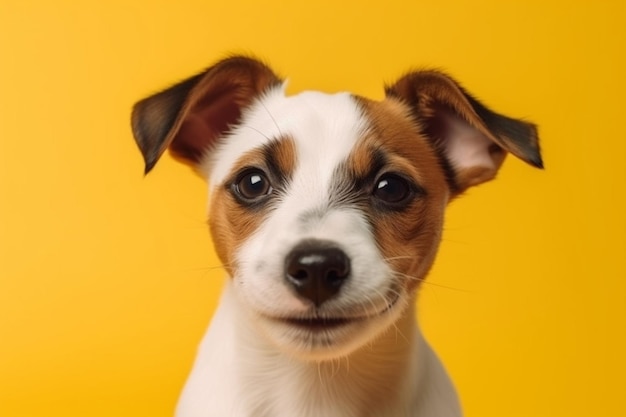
(252, 185)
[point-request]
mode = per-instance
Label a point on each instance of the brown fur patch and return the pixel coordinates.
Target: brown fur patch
(231, 221)
(407, 238)
(433, 97)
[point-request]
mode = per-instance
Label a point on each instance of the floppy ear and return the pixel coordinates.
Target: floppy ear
(190, 116)
(471, 139)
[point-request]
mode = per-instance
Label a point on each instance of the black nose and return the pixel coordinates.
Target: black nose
(317, 269)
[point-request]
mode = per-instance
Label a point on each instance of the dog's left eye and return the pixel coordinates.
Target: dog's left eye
(252, 185)
(392, 189)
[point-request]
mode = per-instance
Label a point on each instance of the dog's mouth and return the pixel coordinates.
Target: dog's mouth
(318, 323)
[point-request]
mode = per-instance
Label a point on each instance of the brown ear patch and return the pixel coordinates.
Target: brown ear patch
(190, 116)
(471, 139)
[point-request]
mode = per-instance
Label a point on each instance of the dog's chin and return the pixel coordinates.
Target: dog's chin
(320, 338)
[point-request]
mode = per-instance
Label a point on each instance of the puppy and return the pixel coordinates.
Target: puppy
(326, 211)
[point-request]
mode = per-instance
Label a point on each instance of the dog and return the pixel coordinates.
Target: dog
(326, 211)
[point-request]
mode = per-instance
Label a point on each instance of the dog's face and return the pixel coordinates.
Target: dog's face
(327, 210)
(325, 219)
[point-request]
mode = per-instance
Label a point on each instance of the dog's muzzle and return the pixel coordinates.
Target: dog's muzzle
(316, 270)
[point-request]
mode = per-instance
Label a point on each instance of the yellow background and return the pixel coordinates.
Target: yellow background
(108, 279)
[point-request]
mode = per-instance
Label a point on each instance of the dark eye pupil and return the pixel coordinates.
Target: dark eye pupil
(392, 189)
(253, 185)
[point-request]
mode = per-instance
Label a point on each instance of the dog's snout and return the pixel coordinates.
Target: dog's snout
(317, 269)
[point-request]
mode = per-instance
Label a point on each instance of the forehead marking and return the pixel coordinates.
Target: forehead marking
(277, 157)
(323, 127)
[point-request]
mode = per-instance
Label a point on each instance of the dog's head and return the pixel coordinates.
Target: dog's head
(327, 210)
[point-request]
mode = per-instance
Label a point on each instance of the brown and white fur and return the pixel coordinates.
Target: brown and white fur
(326, 211)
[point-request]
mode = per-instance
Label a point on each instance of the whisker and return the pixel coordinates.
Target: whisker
(381, 295)
(319, 371)
(370, 300)
(272, 117)
(399, 332)
(395, 258)
(335, 372)
(426, 282)
(208, 268)
(257, 131)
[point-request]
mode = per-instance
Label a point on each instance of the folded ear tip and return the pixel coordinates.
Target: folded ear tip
(147, 169)
(150, 162)
(537, 161)
(531, 154)
(534, 157)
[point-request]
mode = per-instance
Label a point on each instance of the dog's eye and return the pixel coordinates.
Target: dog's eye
(392, 188)
(252, 185)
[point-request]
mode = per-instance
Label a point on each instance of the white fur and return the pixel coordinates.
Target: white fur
(239, 373)
(251, 365)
